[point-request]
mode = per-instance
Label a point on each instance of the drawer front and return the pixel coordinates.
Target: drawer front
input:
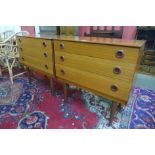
(117, 53)
(107, 86)
(114, 69)
(36, 64)
(38, 48)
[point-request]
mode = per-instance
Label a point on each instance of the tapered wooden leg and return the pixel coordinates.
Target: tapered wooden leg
(80, 97)
(112, 113)
(66, 86)
(51, 80)
(22, 67)
(0, 71)
(29, 74)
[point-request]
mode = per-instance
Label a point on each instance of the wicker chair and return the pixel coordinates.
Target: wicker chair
(9, 54)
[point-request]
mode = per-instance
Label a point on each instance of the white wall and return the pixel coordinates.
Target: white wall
(13, 28)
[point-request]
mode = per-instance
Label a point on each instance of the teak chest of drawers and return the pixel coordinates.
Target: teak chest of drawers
(37, 54)
(102, 65)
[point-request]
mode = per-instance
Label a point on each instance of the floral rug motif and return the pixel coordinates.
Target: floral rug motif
(25, 95)
(138, 113)
(142, 111)
(101, 107)
(34, 120)
(36, 108)
(36, 101)
(9, 93)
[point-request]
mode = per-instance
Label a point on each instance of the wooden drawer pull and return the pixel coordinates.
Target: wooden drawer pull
(62, 46)
(62, 58)
(116, 70)
(44, 44)
(21, 49)
(62, 71)
(119, 54)
(114, 88)
(45, 54)
(46, 66)
(23, 59)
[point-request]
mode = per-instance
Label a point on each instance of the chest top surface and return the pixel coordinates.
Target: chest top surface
(98, 40)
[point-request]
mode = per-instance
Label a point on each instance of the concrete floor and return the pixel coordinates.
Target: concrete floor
(145, 81)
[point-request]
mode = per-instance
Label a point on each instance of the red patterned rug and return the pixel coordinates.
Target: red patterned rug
(36, 108)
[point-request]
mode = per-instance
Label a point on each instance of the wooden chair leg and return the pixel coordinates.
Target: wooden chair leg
(65, 91)
(51, 80)
(112, 113)
(29, 74)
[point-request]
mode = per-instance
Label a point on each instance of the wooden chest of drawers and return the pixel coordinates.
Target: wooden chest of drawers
(36, 53)
(105, 67)
(102, 65)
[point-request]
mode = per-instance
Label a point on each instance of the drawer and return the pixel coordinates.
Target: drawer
(103, 67)
(38, 48)
(34, 42)
(37, 64)
(117, 53)
(108, 87)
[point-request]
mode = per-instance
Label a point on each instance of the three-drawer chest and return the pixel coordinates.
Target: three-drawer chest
(102, 65)
(37, 54)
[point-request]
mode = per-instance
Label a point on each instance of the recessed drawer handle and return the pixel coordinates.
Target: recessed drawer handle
(62, 71)
(114, 88)
(62, 45)
(46, 66)
(119, 54)
(23, 59)
(62, 58)
(44, 44)
(45, 54)
(117, 70)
